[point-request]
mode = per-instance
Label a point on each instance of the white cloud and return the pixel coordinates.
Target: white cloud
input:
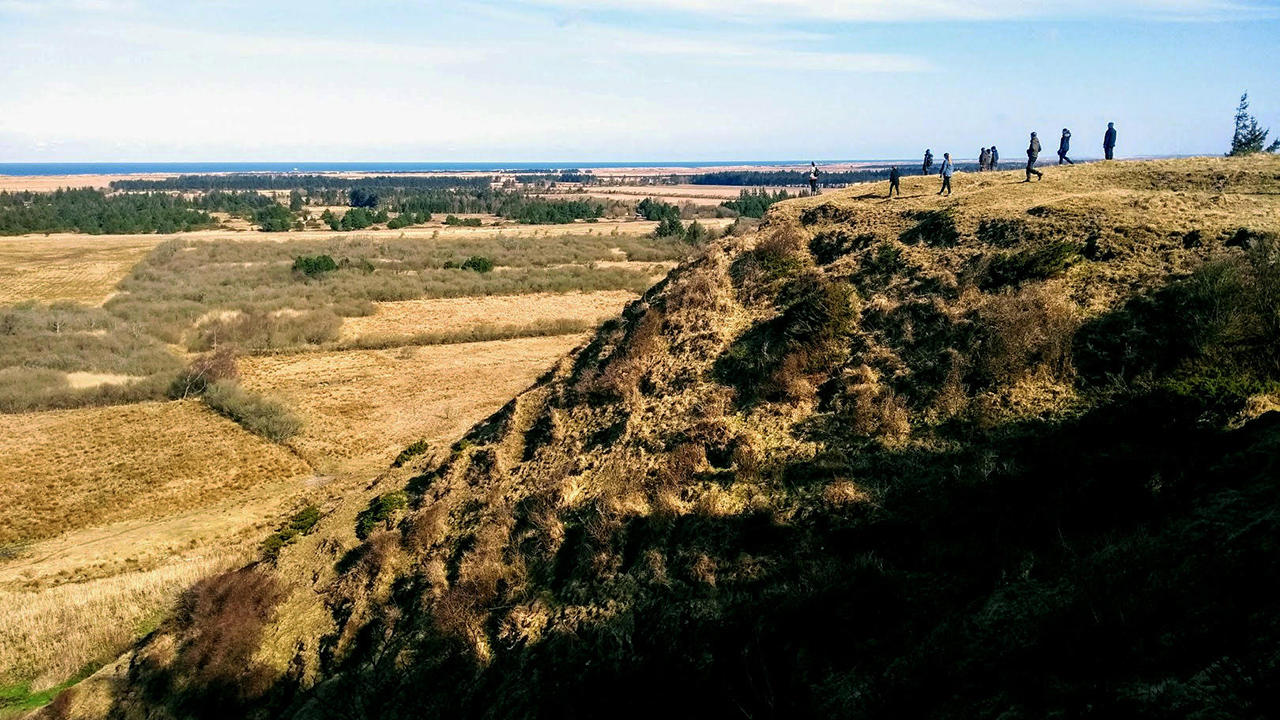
(933, 10)
(42, 7)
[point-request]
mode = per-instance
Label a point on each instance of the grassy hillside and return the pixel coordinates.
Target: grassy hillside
(1006, 454)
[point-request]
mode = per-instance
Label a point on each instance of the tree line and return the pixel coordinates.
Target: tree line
(96, 212)
(306, 183)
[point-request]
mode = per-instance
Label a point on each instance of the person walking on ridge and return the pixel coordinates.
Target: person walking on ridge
(995, 158)
(1033, 154)
(928, 161)
(894, 177)
(945, 171)
(1109, 141)
(1064, 147)
(813, 177)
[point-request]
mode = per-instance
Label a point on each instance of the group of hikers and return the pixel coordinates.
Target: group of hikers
(989, 159)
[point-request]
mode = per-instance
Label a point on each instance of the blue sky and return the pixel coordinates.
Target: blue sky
(580, 80)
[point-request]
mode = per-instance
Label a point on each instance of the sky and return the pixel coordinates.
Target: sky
(623, 80)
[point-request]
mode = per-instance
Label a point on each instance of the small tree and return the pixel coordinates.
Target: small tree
(670, 227)
(295, 200)
(1249, 137)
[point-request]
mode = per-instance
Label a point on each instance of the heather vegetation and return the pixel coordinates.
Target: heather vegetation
(282, 295)
(866, 463)
(41, 343)
(202, 295)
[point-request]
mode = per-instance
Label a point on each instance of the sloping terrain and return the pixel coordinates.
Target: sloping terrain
(1004, 454)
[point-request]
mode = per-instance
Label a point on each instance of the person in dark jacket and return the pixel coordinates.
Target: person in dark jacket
(928, 161)
(995, 158)
(1109, 141)
(984, 159)
(813, 177)
(1064, 147)
(894, 178)
(1033, 154)
(945, 171)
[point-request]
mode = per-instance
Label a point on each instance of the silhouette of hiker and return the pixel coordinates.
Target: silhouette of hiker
(1064, 147)
(984, 159)
(1033, 154)
(928, 161)
(894, 177)
(813, 177)
(946, 171)
(995, 157)
(1109, 141)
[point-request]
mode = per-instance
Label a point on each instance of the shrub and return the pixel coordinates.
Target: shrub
(1022, 332)
(779, 252)
(224, 617)
(1014, 268)
(407, 454)
(379, 513)
(302, 522)
(831, 245)
(936, 228)
(255, 413)
(314, 266)
(463, 222)
(1003, 232)
(777, 357)
(477, 263)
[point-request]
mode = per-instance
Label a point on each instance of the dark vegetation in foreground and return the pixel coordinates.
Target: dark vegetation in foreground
(843, 472)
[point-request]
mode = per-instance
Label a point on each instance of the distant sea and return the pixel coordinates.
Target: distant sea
(192, 168)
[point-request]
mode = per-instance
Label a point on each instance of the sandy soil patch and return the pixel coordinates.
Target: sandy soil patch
(81, 379)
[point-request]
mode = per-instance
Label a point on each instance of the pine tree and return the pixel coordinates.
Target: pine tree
(1249, 137)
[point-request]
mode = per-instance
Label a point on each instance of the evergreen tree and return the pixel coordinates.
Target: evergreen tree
(1249, 137)
(295, 200)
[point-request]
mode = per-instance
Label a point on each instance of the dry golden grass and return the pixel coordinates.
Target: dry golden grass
(361, 407)
(63, 470)
(1179, 195)
(425, 315)
(51, 634)
(82, 268)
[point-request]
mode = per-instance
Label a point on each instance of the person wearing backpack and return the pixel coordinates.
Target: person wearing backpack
(1064, 147)
(894, 178)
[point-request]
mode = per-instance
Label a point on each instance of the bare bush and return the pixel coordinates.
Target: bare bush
(216, 366)
(223, 618)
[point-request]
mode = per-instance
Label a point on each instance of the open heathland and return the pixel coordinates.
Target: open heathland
(1008, 453)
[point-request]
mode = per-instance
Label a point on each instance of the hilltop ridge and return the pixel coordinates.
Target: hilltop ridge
(1010, 453)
